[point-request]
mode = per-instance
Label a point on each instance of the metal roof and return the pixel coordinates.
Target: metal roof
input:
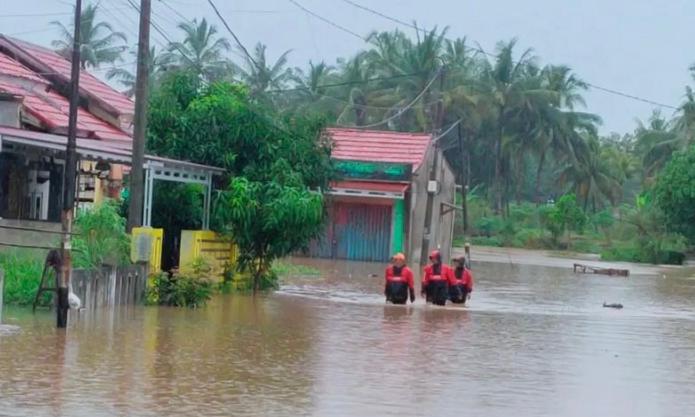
(93, 150)
(379, 146)
(60, 67)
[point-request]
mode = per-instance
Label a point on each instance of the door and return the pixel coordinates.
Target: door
(362, 232)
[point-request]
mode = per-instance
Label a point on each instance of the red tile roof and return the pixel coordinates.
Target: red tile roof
(379, 146)
(88, 83)
(13, 68)
(44, 103)
(386, 187)
(52, 110)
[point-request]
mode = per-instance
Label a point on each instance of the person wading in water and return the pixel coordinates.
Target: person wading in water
(399, 281)
(435, 282)
(460, 282)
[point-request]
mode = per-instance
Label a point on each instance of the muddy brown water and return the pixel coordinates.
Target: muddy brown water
(535, 341)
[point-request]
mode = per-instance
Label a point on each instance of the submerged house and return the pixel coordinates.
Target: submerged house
(395, 194)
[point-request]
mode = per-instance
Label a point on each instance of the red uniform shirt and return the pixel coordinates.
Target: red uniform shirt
(406, 276)
(465, 280)
(446, 273)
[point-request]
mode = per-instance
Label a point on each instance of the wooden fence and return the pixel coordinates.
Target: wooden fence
(110, 286)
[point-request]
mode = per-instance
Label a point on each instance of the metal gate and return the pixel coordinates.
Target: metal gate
(359, 232)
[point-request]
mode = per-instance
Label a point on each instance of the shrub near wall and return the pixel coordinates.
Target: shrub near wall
(22, 278)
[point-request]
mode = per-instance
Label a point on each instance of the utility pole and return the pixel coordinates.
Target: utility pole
(430, 235)
(137, 177)
(69, 178)
(463, 180)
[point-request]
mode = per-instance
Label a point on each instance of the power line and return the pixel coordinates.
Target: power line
(330, 22)
(341, 84)
(400, 112)
(413, 26)
(236, 39)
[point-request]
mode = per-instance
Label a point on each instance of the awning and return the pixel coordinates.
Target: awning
(156, 168)
(95, 150)
(392, 190)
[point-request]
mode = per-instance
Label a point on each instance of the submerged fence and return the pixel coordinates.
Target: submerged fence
(110, 286)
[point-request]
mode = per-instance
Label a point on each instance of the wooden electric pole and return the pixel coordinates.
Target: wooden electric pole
(70, 176)
(137, 177)
(463, 179)
(429, 239)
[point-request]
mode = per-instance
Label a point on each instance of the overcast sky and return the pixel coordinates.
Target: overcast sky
(640, 47)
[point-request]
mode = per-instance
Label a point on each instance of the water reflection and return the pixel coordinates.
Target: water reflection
(534, 341)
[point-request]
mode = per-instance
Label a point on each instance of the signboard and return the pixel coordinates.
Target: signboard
(383, 171)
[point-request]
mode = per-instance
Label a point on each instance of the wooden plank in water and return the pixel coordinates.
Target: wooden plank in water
(588, 269)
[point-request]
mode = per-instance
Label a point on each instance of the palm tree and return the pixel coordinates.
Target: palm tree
(261, 76)
(201, 50)
(418, 62)
(655, 142)
(591, 177)
(157, 64)
(558, 121)
(99, 44)
(310, 88)
(515, 94)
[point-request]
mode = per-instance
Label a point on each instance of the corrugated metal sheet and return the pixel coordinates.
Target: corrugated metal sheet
(363, 232)
(359, 232)
(379, 146)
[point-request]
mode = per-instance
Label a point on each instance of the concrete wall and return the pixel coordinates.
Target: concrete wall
(10, 237)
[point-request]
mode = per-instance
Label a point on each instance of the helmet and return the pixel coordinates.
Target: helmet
(435, 255)
(399, 257)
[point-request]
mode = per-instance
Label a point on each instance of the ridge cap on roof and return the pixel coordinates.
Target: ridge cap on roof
(376, 131)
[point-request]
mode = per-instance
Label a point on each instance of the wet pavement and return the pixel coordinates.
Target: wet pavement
(534, 341)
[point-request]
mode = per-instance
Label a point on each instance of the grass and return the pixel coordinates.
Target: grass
(286, 269)
(22, 278)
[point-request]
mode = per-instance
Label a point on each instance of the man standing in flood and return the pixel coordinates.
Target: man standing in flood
(399, 281)
(435, 281)
(460, 282)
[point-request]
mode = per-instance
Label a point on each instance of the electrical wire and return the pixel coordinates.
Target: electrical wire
(236, 39)
(413, 26)
(323, 19)
(400, 112)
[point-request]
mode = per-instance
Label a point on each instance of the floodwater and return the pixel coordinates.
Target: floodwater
(535, 341)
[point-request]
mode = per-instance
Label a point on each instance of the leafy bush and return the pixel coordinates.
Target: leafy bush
(530, 239)
(22, 278)
(486, 241)
(675, 193)
(179, 290)
(102, 237)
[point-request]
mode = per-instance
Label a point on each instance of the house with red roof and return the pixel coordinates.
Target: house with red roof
(34, 108)
(395, 195)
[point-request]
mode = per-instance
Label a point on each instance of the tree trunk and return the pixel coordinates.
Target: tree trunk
(498, 174)
(537, 189)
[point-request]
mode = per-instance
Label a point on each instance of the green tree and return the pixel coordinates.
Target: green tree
(269, 220)
(202, 51)
(259, 75)
(157, 64)
(100, 44)
(675, 192)
(564, 216)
